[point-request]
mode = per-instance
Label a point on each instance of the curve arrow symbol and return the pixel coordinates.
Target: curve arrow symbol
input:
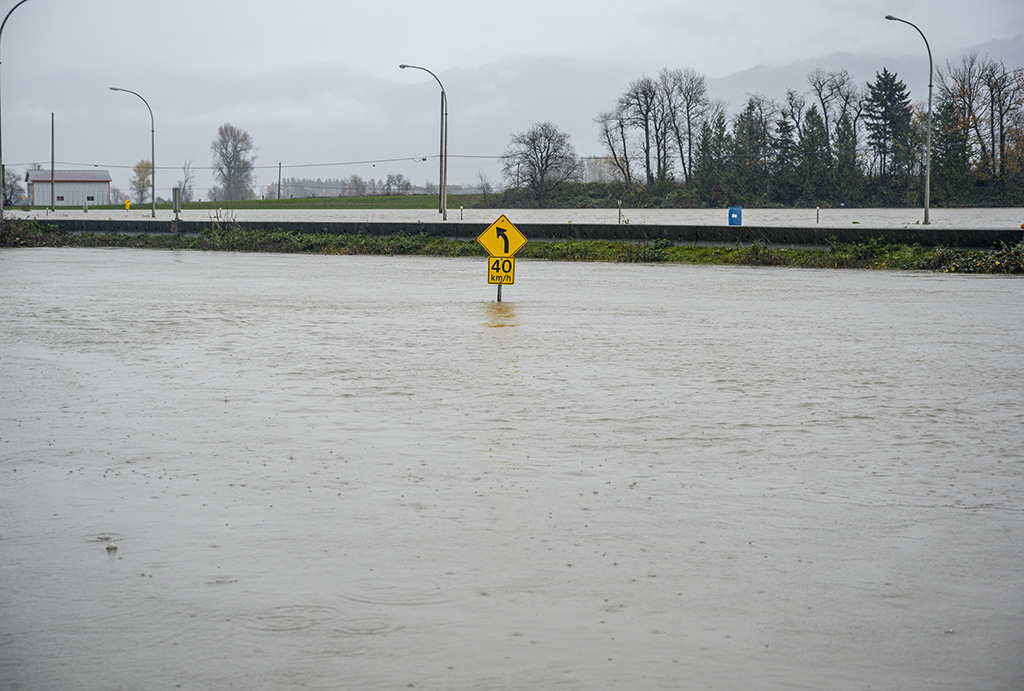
(501, 233)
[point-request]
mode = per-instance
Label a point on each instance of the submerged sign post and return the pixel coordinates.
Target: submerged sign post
(502, 240)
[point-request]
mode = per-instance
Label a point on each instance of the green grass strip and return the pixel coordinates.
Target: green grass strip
(873, 254)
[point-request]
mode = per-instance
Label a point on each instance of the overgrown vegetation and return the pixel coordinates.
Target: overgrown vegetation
(872, 254)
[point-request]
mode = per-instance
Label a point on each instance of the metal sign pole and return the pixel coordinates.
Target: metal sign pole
(499, 292)
(176, 201)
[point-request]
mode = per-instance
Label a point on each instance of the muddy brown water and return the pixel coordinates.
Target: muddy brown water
(365, 473)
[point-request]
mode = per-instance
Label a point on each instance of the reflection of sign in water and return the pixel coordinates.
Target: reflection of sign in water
(500, 315)
(501, 239)
(501, 270)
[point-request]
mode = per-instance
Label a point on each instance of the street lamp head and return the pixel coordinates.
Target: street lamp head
(402, 67)
(892, 18)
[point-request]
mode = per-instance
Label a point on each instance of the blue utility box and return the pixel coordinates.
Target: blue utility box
(735, 216)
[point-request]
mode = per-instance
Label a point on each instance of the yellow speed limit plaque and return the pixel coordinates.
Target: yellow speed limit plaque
(501, 270)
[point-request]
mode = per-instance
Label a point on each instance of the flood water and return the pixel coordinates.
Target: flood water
(366, 473)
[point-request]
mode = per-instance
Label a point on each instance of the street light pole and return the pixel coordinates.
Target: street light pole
(3, 172)
(152, 141)
(442, 197)
(928, 135)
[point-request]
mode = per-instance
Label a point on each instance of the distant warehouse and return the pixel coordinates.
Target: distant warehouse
(70, 187)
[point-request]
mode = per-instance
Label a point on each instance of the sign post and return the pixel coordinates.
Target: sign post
(176, 197)
(502, 240)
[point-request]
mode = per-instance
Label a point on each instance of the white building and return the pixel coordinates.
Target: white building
(70, 187)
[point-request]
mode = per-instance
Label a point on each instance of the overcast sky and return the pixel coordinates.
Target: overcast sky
(316, 81)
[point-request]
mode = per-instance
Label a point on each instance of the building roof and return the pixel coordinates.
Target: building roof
(94, 175)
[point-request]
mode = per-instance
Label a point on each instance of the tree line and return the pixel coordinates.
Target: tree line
(233, 157)
(351, 186)
(668, 142)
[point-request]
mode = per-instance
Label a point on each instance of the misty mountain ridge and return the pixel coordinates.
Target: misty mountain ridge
(774, 81)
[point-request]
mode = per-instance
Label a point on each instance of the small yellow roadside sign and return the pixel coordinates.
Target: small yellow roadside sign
(501, 270)
(502, 239)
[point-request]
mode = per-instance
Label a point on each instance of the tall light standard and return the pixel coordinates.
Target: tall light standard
(3, 173)
(928, 135)
(152, 140)
(442, 200)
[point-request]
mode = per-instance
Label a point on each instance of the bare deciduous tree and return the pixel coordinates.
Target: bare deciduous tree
(233, 160)
(837, 95)
(616, 137)
(396, 183)
(849, 97)
(686, 98)
(656, 119)
(643, 106)
(12, 187)
(141, 180)
(355, 186)
(793, 110)
(483, 184)
(541, 159)
(990, 98)
(1005, 99)
(187, 182)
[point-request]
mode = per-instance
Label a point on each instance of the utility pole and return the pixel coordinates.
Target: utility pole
(3, 171)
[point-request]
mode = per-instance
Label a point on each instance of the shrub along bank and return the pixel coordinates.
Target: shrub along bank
(873, 254)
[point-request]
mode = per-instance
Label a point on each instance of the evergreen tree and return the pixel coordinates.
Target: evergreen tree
(709, 166)
(848, 176)
(815, 159)
(951, 154)
(887, 116)
(751, 151)
(786, 187)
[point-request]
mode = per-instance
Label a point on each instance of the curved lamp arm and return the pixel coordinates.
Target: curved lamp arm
(443, 192)
(152, 133)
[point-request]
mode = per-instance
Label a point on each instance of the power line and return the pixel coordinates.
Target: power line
(334, 164)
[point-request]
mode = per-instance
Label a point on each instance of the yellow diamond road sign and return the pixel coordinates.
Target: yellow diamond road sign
(501, 239)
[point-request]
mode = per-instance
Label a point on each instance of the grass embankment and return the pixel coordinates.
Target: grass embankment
(869, 255)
